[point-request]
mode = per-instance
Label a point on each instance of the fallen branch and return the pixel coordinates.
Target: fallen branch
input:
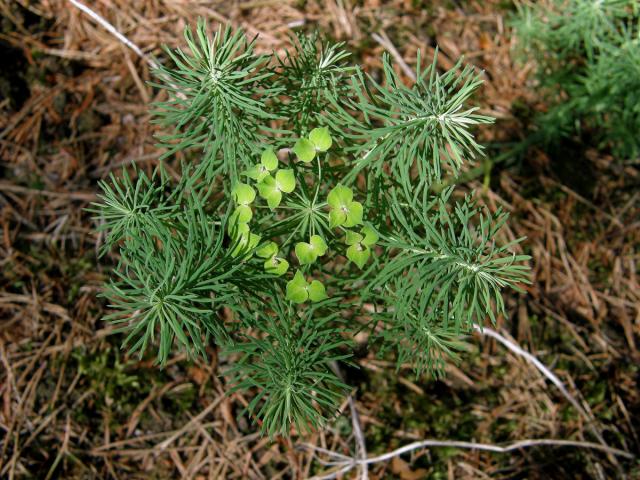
(113, 31)
(386, 43)
(515, 348)
(357, 428)
(342, 466)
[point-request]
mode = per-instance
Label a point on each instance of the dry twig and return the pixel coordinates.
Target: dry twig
(342, 465)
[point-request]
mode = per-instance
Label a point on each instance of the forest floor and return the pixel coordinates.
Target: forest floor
(74, 108)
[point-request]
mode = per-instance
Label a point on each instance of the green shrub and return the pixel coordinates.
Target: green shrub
(588, 65)
(304, 214)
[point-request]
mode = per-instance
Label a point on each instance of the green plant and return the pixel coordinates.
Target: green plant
(588, 63)
(307, 216)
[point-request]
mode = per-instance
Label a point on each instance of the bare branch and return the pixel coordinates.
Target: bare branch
(343, 466)
(386, 43)
(357, 428)
(113, 31)
(515, 348)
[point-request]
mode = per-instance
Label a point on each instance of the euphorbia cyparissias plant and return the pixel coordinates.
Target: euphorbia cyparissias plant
(307, 193)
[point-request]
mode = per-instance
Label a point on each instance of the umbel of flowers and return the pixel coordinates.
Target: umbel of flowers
(274, 184)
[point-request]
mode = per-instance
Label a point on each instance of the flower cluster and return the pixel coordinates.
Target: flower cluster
(272, 183)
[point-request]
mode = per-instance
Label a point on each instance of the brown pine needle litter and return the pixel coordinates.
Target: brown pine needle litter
(74, 107)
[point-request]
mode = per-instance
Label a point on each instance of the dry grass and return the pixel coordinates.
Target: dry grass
(74, 407)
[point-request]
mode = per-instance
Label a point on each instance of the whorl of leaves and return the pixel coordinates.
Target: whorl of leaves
(311, 72)
(290, 366)
(422, 126)
(216, 97)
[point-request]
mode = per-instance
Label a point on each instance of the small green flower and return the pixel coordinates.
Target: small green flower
(352, 237)
(316, 291)
(371, 237)
(319, 141)
(309, 252)
(268, 163)
(273, 264)
(360, 245)
(299, 290)
(271, 189)
(243, 194)
(269, 159)
(358, 254)
(304, 150)
(268, 250)
(344, 210)
(276, 266)
(242, 214)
